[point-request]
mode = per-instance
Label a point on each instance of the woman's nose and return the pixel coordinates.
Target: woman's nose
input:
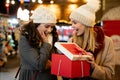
(49, 30)
(73, 26)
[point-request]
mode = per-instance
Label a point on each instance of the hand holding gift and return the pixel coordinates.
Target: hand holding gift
(48, 65)
(91, 59)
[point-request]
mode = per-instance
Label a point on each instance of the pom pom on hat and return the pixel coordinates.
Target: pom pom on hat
(43, 15)
(85, 14)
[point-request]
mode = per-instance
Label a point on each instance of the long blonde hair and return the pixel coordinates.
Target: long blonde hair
(87, 40)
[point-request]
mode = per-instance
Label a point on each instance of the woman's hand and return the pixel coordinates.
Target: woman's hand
(44, 36)
(70, 39)
(91, 59)
(48, 64)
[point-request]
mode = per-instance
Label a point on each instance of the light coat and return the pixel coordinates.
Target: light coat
(105, 61)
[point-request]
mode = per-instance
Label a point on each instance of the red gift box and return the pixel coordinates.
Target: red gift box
(72, 50)
(63, 66)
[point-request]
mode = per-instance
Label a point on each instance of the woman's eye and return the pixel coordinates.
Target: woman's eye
(74, 22)
(52, 26)
(47, 26)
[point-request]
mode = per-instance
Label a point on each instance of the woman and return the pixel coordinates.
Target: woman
(36, 45)
(93, 41)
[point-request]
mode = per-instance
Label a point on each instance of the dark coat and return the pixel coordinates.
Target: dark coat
(33, 60)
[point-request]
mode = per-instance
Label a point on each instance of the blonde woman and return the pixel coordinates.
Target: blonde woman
(93, 41)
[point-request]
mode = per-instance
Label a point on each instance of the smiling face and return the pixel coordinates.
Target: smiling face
(78, 27)
(45, 28)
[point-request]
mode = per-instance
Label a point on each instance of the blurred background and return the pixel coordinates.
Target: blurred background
(13, 13)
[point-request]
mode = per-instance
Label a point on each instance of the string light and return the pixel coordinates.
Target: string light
(51, 2)
(33, 1)
(8, 1)
(40, 1)
(7, 4)
(12, 2)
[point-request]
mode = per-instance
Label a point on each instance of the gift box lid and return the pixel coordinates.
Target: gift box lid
(71, 50)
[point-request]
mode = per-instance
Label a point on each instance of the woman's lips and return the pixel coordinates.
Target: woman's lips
(76, 29)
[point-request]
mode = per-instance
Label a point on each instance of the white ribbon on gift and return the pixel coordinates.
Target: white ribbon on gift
(59, 67)
(82, 68)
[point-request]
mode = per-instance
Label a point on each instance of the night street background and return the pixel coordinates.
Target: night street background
(12, 8)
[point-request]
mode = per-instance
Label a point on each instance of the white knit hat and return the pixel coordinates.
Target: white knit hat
(43, 15)
(85, 14)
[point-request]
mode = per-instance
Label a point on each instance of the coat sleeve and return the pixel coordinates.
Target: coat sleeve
(105, 69)
(30, 57)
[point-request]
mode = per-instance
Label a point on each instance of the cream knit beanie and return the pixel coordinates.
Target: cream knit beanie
(43, 15)
(85, 14)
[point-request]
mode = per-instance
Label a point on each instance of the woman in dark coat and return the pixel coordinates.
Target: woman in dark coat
(36, 45)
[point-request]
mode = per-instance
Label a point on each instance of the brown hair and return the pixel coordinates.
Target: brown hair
(31, 33)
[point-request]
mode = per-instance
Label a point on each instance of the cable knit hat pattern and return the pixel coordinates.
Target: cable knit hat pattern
(43, 15)
(85, 14)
